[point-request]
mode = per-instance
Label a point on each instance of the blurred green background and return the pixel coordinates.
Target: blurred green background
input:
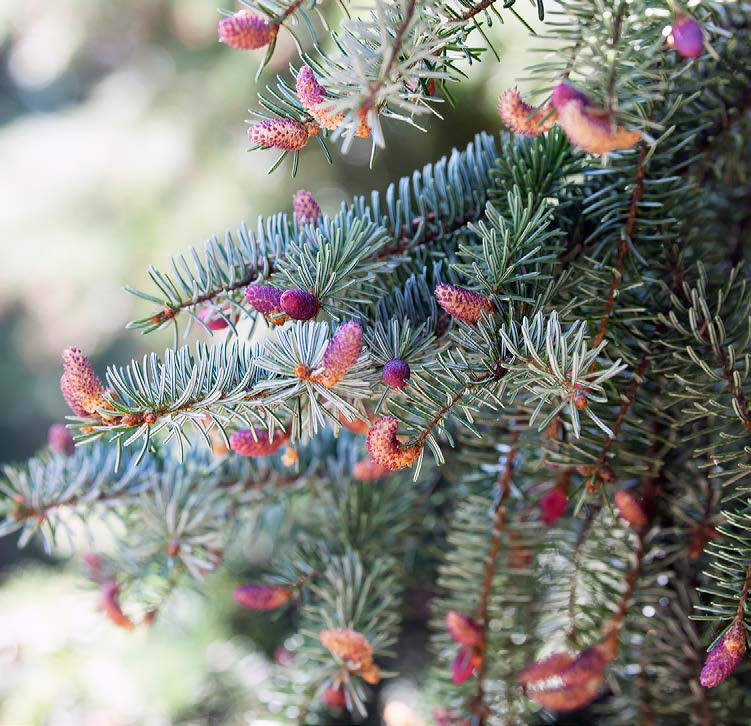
(122, 140)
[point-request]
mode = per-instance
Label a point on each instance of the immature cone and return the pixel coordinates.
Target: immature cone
(630, 509)
(334, 697)
(465, 664)
(370, 672)
(686, 36)
(246, 31)
(299, 304)
(60, 439)
(462, 304)
(552, 506)
(313, 95)
(262, 597)
(591, 130)
(80, 386)
(564, 682)
(255, 442)
(109, 603)
(384, 448)
(279, 133)
(305, 206)
(396, 373)
(463, 629)
(521, 118)
(212, 319)
(367, 470)
(348, 644)
(723, 659)
(341, 354)
(265, 299)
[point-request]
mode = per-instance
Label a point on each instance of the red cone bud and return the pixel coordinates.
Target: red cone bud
(552, 506)
(341, 354)
(347, 644)
(384, 448)
(463, 629)
(396, 373)
(686, 36)
(630, 509)
(299, 304)
(724, 658)
(262, 597)
(246, 31)
(255, 442)
(464, 665)
(462, 304)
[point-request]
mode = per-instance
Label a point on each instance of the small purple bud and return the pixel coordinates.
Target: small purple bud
(299, 304)
(60, 439)
(264, 298)
(396, 372)
(686, 36)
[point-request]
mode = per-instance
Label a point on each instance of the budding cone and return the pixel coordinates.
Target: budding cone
(279, 133)
(347, 644)
(464, 665)
(299, 304)
(462, 304)
(246, 31)
(305, 206)
(396, 372)
(591, 131)
(552, 506)
(110, 605)
(724, 658)
(256, 442)
(341, 354)
(334, 697)
(384, 448)
(630, 509)
(686, 36)
(262, 597)
(521, 118)
(80, 386)
(312, 95)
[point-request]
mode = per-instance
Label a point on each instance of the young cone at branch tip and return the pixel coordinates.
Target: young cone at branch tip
(462, 304)
(384, 448)
(285, 134)
(396, 373)
(521, 118)
(341, 354)
(724, 658)
(262, 597)
(465, 664)
(305, 206)
(267, 300)
(463, 629)
(367, 470)
(246, 31)
(80, 386)
(334, 697)
(580, 676)
(299, 304)
(552, 505)
(255, 442)
(630, 509)
(686, 36)
(348, 645)
(60, 440)
(109, 604)
(589, 130)
(313, 95)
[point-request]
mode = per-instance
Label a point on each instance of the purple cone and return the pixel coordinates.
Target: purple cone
(299, 304)
(264, 298)
(396, 372)
(687, 37)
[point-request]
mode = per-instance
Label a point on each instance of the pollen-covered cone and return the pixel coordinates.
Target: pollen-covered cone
(80, 386)
(262, 597)
(256, 442)
(724, 658)
(265, 299)
(590, 130)
(462, 304)
(523, 119)
(341, 354)
(313, 96)
(384, 448)
(305, 206)
(246, 31)
(279, 133)
(347, 644)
